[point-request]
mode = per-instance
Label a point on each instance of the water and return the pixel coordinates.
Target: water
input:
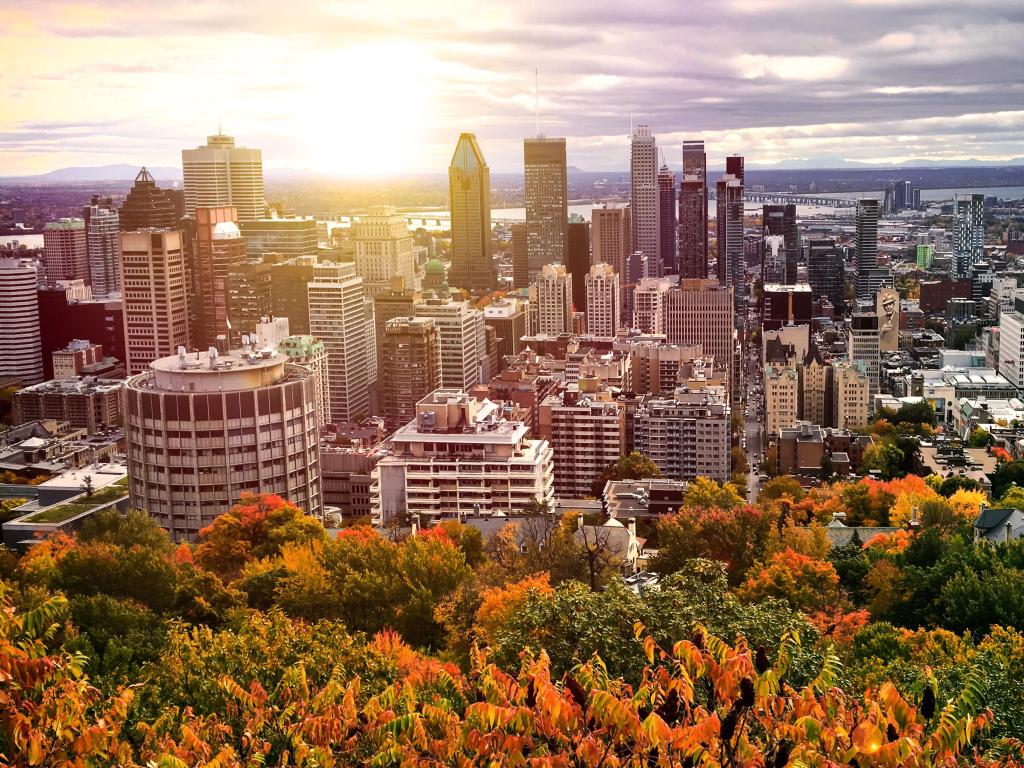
(29, 241)
(1005, 193)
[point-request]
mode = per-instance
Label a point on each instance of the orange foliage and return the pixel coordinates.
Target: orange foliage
(889, 543)
(839, 626)
(500, 604)
(806, 582)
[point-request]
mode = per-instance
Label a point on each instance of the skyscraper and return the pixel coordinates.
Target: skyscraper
(643, 194)
(547, 201)
(866, 244)
(103, 245)
(21, 352)
(147, 206)
(554, 300)
(156, 302)
(701, 312)
(65, 252)
(219, 247)
(668, 241)
(825, 273)
(520, 258)
(603, 301)
(693, 213)
(968, 232)
(469, 188)
(461, 336)
(221, 174)
(730, 230)
(289, 237)
(611, 238)
(340, 318)
(781, 220)
(577, 261)
(734, 167)
(383, 249)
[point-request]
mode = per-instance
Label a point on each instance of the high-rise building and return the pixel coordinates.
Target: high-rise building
(155, 298)
(289, 295)
(649, 304)
(852, 396)
(520, 257)
(887, 307)
(786, 305)
(383, 249)
(1011, 347)
(734, 167)
(825, 273)
(668, 239)
(693, 213)
(249, 297)
(587, 432)
(603, 301)
(310, 352)
(729, 191)
(611, 238)
(781, 220)
(863, 342)
(147, 206)
(507, 317)
(65, 251)
(410, 351)
(773, 259)
(686, 435)
(342, 318)
(577, 260)
(218, 248)
(103, 247)
(271, 446)
(968, 232)
(643, 195)
(221, 174)
(460, 456)
(85, 403)
(67, 311)
(781, 397)
(469, 189)
(461, 337)
(547, 202)
(288, 237)
(554, 300)
(21, 352)
(701, 312)
(866, 244)
(399, 300)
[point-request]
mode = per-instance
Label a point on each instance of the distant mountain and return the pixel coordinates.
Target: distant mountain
(117, 172)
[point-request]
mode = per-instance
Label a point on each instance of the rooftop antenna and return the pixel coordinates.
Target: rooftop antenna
(536, 96)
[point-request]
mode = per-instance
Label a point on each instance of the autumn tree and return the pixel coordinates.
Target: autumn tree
(806, 583)
(704, 492)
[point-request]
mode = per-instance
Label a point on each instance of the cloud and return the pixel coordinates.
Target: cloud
(769, 78)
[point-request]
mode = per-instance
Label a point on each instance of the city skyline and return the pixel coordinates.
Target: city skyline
(873, 82)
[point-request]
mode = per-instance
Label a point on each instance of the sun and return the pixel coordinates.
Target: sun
(366, 109)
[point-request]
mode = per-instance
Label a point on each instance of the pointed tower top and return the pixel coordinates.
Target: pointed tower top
(144, 176)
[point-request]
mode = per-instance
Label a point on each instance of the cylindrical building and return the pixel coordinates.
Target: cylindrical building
(21, 352)
(202, 429)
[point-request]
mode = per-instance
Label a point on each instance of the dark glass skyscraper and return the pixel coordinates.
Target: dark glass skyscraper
(867, 244)
(734, 166)
(825, 272)
(693, 212)
(667, 241)
(547, 201)
(147, 206)
(781, 220)
(577, 261)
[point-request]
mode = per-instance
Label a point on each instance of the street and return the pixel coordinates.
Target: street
(752, 424)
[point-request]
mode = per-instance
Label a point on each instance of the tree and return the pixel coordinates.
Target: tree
(885, 458)
(739, 538)
(804, 582)
(635, 466)
(1006, 475)
(950, 485)
(133, 529)
(979, 438)
(87, 486)
(258, 526)
(785, 486)
(919, 412)
(703, 492)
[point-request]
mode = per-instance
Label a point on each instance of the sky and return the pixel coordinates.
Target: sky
(384, 87)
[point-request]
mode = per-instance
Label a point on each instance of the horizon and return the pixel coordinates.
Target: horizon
(313, 88)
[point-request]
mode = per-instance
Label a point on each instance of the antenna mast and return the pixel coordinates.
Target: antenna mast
(536, 96)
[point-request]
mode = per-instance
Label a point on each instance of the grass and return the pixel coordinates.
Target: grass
(61, 512)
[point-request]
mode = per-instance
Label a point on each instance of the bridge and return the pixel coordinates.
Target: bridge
(782, 198)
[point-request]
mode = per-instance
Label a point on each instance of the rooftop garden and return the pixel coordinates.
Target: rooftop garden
(58, 513)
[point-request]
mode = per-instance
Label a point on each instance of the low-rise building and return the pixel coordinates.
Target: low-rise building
(90, 404)
(801, 450)
(647, 498)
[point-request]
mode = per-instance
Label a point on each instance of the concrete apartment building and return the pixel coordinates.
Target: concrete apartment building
(554, 300)
(587, 431)
(781, 398)
(686, 435)
(604, 301)
(460, 457)
(410, 353)
(89, 404)
(383, 249)
(202, 430)
(65, 251)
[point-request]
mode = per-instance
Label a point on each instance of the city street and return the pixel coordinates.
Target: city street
(752, 425)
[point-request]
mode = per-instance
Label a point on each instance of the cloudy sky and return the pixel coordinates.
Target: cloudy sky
(385, 87)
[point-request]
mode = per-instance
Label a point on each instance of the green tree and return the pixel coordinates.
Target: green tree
(635, 466)
(885, 458)
(1010, 473)
(979, 438)
(920, 412)
(951, 485)
(780, 487)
